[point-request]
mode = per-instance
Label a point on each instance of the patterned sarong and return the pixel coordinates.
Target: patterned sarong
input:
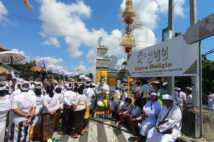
(48, 121)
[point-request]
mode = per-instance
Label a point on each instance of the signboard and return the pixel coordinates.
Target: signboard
(201, 30)
(170, 58)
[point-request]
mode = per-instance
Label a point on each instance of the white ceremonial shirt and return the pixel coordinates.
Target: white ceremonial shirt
(144, 90)
(173, 121)
(5, 106)
(153, 109)
(69, 98)
(89, 92)
(50, 104)
(39, 106)
(24, 102)
(173, 118)
(189, 100)
(136, 111)
(16, 92)
(180, 98)
(82, 101)
(113, 104)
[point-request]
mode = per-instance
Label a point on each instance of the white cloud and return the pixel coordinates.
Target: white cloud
(42, 34)
(3, 11)
(149, 10)
(70, 25)
(51, 59)
(52, 41)
(83, 69)
(120, 62)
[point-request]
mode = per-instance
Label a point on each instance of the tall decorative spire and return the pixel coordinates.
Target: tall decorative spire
(128, 16)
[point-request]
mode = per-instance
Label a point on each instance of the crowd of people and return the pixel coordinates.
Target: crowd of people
(152, 114)
(33, 110)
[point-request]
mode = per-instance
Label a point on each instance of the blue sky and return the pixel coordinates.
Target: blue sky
(68, 30)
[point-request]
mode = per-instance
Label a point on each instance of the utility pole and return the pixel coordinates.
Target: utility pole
(171, 25)
(197, 80)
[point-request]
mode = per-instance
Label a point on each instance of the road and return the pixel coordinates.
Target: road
(101, 130)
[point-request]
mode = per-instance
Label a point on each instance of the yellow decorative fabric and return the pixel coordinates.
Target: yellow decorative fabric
(87, 112)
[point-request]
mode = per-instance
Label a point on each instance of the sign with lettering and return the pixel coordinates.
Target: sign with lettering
(173, 57)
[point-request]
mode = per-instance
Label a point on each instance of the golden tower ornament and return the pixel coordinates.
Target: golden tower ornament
(128, 16)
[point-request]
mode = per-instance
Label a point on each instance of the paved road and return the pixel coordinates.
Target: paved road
(100, 130)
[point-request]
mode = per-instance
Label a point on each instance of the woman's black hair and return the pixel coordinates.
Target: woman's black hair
(38, 92)
(58, 90)
(49, 90)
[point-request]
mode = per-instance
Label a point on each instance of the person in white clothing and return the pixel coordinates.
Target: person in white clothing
(80, 106)
(180, 98)
(69, 99)
(51, 105)
(90, 94)
(149, 117)
(36, 121)
(168, 126)
(23, 109)
(188, 92)
(5, 106)
(124, 96)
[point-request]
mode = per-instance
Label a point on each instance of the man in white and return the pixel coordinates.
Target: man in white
(188, 92)
(180, 98)
(124, 96)
(168, 126)
(80, 106)
(150, 113)
(89, 93)
(5, 106)
(68, 113)
(23, 109)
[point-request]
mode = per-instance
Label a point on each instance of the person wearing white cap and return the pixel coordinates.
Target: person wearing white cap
(23, 109)
(90, 94)
(68, 114)
(5, 106)
(188, 92)
(36, 121)
(80, 106)
(168, 126)
(180, 98)
(149, 117)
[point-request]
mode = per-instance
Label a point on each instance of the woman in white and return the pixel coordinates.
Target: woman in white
(5, 106)
(150, 113)
(80, 106)
(50, 106)
(23, 109)
(36, 122)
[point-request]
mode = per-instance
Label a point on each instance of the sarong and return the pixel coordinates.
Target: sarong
(48, 121)
(18, 132)
(35, 132)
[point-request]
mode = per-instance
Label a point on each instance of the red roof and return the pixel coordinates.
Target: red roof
(3, 49)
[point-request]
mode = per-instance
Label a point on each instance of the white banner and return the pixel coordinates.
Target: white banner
(173, 57)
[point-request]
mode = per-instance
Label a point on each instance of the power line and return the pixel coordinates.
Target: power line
(52, 25)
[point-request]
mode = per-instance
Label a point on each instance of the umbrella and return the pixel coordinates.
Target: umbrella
(9, 68)
(4, 71)
(43, 62)
(11, 57)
